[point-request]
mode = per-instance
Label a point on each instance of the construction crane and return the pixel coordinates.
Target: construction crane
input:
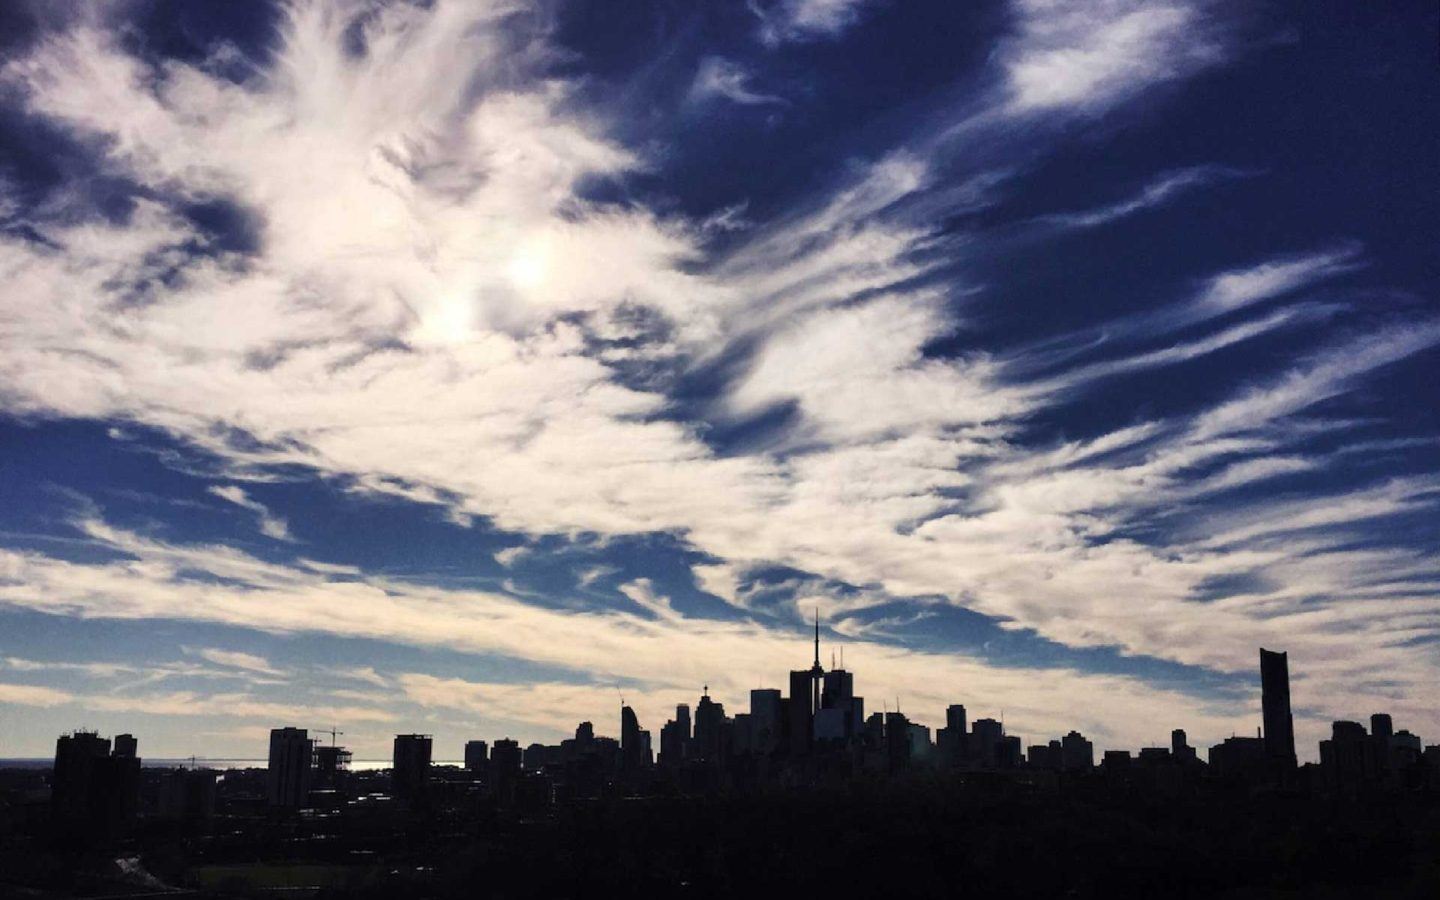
(333, 731)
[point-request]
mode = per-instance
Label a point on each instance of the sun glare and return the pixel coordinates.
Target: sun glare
(530, 265)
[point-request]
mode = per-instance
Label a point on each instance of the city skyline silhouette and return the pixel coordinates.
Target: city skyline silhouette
(731, 406)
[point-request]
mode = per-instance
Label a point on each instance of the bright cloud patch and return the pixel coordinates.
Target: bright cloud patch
(459, 280)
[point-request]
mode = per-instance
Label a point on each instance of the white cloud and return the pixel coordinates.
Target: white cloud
(1161, 190)
(33, 695)
(1086, 56)
(235, 659)
(1242, 287)
(509, 555)
(806, 20)
(421, 317)
(271, 526)
(642, 592)
(727, 79)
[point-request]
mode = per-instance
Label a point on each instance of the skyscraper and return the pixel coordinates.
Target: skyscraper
(951, 740)
(287, 778)
(504, 767)
(766, 720)
(984, 743)
(1275, 703)
(710, 723)
(801, 710)
(477, 755)
(634, 742)
(1076, 753)
(410, 765)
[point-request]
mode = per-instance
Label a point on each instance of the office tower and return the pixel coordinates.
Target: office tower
(585, 733)
(920, 745)
(709, 742)
(672, 744)
(505, 762)
(985, 735)
(950, 740)
(742, 735)
(767, 720)
(634, 742)
(898, 742)
(76, 762)
(1275, 701)
(682, 720)
(1349, 758)
(1009, 752)
(287, 777)
(1180, 748)
(955, 718)
(800, 707)
(126, 747)
(1381, 726)
(1076, 753)
(837, 689)
(410, 767)
(841, 714)
(477, 757)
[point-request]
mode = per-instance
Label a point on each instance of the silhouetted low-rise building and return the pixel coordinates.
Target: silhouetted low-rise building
(187, 794)
(1242, 758)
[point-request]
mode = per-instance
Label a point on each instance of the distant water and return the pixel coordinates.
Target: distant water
(201, 762)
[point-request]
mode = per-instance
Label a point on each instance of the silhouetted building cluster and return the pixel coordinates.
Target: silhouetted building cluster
(818, 733)
(95, 788)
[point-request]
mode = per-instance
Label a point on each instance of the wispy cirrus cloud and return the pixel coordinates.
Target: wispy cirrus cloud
(804, 20)
(718, 77)
(1164, 188)
(434, 301)
(1090, 55)
(271, 525)
(235, 659)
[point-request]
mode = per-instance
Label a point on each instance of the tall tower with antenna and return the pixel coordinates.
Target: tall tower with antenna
(817, 671)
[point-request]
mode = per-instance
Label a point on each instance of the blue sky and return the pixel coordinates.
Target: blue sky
(461, 367)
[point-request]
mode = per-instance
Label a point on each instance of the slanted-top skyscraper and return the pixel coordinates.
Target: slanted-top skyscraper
(1275, 704)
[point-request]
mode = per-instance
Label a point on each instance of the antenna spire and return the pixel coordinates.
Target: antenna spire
(817, 637)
